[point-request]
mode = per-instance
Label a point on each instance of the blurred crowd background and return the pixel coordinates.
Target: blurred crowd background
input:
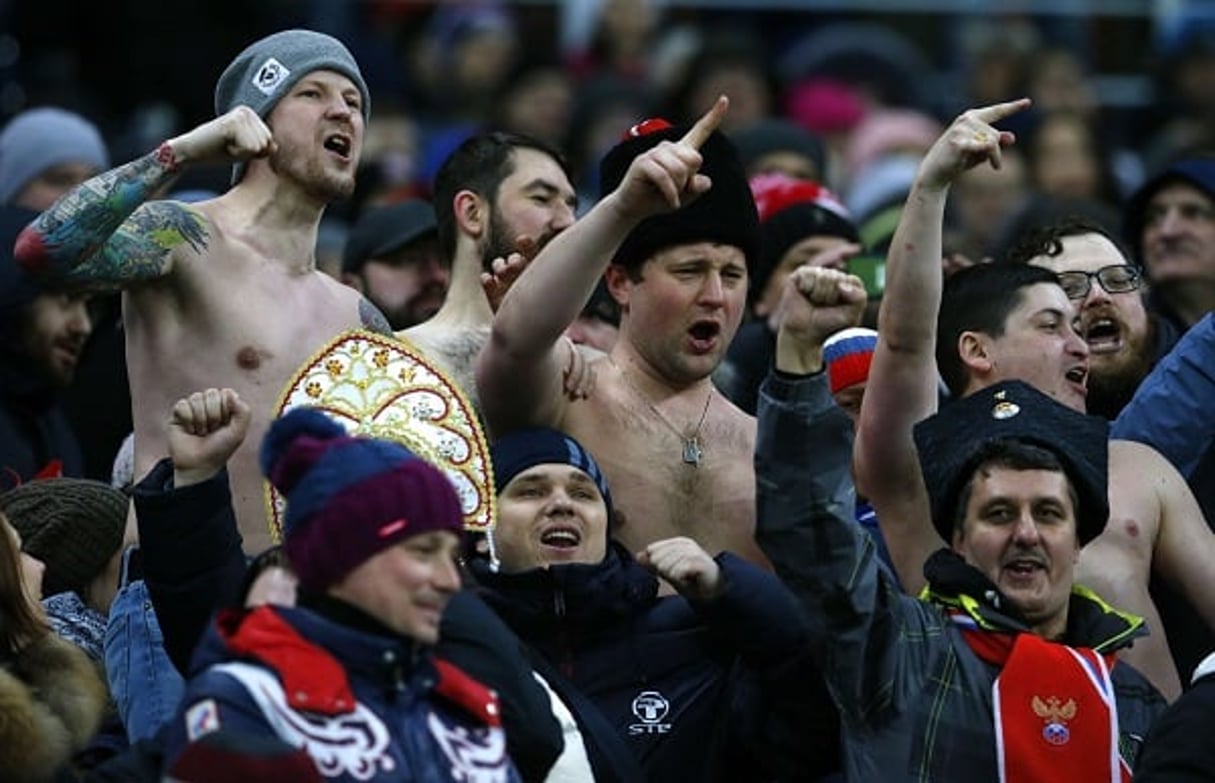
(1120, 86)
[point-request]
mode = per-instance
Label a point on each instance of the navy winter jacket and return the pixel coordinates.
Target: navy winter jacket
(366, 706)
(719, 691)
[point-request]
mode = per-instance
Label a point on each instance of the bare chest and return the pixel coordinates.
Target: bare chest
(246, 325)
(240, 327)
(454, 350)
(1134, 509)
(666, 484)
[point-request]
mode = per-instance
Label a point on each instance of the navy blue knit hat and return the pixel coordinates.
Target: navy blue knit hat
(522, 449)
(726, 214)
(381, 231)
(349, 497)
(1198, 172)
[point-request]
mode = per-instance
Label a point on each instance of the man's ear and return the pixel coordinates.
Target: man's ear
(471, 213)
(975, 352)
(618, 285)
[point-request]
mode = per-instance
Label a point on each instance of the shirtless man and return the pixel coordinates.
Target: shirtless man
(675, 232)
(496, 194)
(225, 292)
(1031, 335)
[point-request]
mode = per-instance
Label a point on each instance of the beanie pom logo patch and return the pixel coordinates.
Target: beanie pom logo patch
(396, 526)
(270, 75)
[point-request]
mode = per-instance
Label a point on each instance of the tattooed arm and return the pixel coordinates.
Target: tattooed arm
(90, 236)
(104, 233)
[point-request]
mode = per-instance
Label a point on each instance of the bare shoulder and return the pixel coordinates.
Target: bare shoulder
(1139, 478)
(591, 354)
(1128, 457)
(369, 316)
(582, 353)
(583, 366)
(743, 424)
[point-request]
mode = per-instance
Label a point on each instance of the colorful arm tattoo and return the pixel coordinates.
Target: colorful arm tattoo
(103, 233)
(372, 319)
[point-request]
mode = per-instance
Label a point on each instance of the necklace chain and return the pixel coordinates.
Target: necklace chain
(692, 451)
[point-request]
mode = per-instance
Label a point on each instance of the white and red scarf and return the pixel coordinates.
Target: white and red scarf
(1055, 714)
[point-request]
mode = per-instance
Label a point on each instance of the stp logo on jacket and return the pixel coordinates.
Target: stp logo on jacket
(650, 707)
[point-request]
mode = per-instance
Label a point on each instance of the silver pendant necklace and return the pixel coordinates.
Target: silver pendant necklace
(692, 451)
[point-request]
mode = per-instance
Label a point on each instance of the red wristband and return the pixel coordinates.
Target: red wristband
(167, 158)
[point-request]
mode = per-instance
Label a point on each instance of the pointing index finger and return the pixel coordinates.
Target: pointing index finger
(998, 111)
(699, 133)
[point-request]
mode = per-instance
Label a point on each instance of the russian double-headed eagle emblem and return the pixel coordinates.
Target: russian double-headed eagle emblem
(1056, 714)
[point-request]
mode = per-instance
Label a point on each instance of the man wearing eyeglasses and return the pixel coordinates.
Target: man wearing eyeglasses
(998, 322)
(1125, 339)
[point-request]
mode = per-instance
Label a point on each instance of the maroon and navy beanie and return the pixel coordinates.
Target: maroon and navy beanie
(348, 497)
(791, 210)
(725, 214)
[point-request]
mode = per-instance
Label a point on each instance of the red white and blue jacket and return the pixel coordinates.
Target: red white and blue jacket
(365, 706)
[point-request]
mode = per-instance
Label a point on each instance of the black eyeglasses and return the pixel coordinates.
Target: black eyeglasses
(1115, 279)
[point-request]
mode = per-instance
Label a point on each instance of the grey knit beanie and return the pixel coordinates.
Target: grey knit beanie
(38, 139)
(72, 525)
(268, 68)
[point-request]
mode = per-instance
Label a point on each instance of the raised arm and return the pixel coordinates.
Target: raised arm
(902, 387)
(187, 529)
(106, 234)
(805, 521)
(519, 372)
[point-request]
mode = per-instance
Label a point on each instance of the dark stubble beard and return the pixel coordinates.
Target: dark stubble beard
(499, 242)
(312, 176)
(1111, 388)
